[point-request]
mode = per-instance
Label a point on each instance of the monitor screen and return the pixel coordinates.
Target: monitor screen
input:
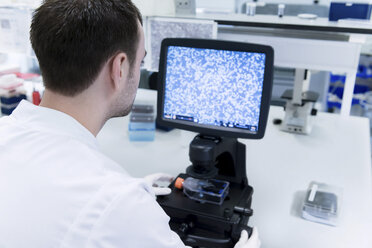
(215, 87)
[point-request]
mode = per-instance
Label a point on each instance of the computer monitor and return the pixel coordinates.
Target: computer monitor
(216, 88)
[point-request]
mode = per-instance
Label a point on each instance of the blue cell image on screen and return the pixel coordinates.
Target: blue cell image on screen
(214, 87)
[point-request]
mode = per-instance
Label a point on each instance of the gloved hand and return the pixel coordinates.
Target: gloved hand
(252, 242)
(159, 177)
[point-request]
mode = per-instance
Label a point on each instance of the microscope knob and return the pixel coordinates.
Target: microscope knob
(314, 112)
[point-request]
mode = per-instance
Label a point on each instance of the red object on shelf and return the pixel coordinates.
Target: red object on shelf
(36, 99)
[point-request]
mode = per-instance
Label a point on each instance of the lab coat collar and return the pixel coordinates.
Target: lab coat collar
(50, 120)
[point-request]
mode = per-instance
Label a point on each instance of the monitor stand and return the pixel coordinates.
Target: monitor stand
(205, 224)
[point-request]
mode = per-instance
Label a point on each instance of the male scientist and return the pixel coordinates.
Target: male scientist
(56, 188)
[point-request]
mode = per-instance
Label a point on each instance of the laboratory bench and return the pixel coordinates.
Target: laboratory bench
(279, 168)
(321, 24)
(318, 45)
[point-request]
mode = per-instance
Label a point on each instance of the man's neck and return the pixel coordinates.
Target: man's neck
(87, 111)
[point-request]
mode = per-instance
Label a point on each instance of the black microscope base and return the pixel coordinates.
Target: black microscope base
(205, 224)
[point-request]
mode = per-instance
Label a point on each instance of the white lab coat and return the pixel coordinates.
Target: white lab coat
(58, 190)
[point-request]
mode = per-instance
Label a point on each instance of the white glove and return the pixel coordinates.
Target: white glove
(252, 242)
(159, 177)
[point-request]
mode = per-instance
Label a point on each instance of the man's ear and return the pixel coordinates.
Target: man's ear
(119, 69)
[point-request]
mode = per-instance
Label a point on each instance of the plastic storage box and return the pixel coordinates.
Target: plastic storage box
(322, 204)
(12, 93)
(349, 10)
(142, 123)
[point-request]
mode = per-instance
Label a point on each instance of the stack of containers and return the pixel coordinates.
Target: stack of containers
(336, 91)
(12, 93)
(142, 123)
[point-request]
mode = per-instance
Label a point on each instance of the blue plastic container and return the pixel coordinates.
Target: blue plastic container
(348, 10)
(142, 123)
(337, 88)
(9, 103)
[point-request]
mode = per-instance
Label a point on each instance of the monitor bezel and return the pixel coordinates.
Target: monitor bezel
(219, 45)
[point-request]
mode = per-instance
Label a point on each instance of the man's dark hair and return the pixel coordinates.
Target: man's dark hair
(72, 40)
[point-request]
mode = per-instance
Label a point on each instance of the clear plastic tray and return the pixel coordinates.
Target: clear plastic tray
(322, 203)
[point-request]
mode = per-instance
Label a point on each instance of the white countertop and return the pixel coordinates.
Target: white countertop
(279, 168)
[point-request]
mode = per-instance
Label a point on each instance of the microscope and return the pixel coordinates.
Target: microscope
(220, 90)
(300, 105)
